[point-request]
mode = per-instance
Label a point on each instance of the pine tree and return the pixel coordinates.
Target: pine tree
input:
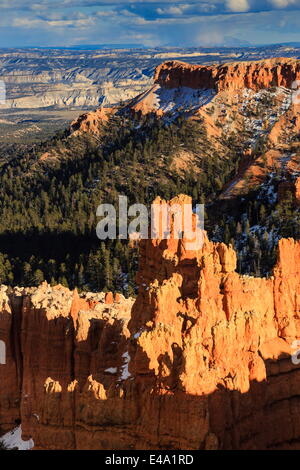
(38, 277)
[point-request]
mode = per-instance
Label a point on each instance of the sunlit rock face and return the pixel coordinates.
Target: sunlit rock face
(253, 75)
(200, 360)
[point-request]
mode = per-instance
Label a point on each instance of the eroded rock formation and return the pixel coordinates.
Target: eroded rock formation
(91, 122)
(180, 86)
(201, 360)
(253, 75)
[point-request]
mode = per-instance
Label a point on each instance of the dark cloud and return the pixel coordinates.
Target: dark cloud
(206, 22)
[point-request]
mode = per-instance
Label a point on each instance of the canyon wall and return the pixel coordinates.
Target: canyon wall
(223, 90)
(229, 77)
(200, 360)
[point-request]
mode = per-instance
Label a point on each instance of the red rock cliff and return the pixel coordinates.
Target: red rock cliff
(230, 77)
(201, 360)
(234, 76)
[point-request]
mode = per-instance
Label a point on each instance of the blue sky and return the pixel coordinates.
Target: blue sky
(151, 23)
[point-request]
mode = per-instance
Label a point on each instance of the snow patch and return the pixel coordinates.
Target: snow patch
(138, 333)
(125, 374)
(111, 370)
(13, 439)
(176, 100)
(261, 127)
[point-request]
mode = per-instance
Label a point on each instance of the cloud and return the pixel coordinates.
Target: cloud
(238, 5)
(55, 20)
(172, 10)
(284, 3)
(148, 39)
(186, 9)
(152, 22)
(205, 39)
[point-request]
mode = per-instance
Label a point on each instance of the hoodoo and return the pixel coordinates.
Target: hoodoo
(200, 360)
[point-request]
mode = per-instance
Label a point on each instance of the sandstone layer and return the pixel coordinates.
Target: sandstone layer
(200, 360)
(91, 122)
(253, 75)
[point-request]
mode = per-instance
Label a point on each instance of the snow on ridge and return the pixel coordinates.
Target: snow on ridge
(256, 126)
(13, 439)
(190, 99)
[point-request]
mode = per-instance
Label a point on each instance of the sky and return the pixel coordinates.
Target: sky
(204, 23)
